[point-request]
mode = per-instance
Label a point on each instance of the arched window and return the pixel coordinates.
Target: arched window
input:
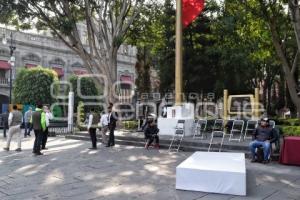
(4, 53)
(77, 65)
(32, 58)
(57, 62)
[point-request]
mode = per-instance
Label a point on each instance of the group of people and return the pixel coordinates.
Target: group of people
(37, 120)
(107, 123)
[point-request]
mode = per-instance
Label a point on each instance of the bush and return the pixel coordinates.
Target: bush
(130, 125)
(288, 122)
(33, 86)
(291, 130)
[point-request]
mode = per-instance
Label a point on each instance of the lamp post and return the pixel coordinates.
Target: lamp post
(11, 62)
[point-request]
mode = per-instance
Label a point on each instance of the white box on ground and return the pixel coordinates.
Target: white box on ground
(213, 172)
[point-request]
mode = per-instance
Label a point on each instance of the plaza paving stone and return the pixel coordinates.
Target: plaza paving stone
(69, 171)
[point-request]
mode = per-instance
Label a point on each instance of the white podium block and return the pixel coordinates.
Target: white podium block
(213, 172)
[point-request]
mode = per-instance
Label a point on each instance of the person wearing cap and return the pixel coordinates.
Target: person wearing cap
(151, 134)
(263, 136)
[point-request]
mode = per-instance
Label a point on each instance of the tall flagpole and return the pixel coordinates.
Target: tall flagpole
(178, 63)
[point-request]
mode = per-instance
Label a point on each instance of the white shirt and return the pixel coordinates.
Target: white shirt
(48, 117)
(10, 118)
(90, 121)
(104, 120)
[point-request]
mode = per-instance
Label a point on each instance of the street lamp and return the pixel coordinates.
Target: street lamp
(11, 61)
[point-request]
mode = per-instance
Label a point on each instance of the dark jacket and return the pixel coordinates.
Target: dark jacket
(150, 131)
(39, 120)
(262, 134)
(112, 120)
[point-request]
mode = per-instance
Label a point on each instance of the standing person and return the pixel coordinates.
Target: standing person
(49, 117)
(104, 126)
(112, 123)
(39, 126)
(28, 125)
(92, 127)
(14, 123)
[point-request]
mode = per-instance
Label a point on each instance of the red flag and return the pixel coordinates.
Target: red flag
(190, 10)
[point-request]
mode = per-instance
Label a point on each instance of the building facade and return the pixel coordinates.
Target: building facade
(43, 50)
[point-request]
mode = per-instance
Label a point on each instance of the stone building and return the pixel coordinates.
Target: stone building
(37, 49)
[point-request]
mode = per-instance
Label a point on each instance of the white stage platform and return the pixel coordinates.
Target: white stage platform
(167, 126)
(213, 172)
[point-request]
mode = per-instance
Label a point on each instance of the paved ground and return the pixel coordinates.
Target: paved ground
(69, 171)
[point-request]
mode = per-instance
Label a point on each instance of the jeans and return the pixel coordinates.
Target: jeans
(28, 128)
(256, 144)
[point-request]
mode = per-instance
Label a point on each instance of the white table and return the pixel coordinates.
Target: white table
(167, 126)
(213, 172)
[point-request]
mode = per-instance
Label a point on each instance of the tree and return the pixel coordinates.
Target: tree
(87, 88)
(33, 86)
(107, 23)
(142, 67)
(280, 28)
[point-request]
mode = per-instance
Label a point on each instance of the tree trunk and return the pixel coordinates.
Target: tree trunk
(291, 83)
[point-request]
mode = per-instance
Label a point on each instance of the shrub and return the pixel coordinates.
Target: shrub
(288, 122)
(33, 86)
(291, 130)
(130, 125)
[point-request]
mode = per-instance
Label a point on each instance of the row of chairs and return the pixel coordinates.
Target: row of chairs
(236, 129)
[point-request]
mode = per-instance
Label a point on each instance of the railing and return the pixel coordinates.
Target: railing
(4, 81)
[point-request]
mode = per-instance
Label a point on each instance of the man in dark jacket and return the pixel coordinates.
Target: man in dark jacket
(263, 136)
(39, 126)
(151, 134)
(112, 123)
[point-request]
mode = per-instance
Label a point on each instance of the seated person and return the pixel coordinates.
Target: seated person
(263, 136)
(151, 134)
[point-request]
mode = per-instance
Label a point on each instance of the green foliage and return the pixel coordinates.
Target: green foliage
(33, 86)
(57, 111)
(143, 70)
(80, 116)
(87, 88)
(288, 122)
(291, 130)
(130, 125)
